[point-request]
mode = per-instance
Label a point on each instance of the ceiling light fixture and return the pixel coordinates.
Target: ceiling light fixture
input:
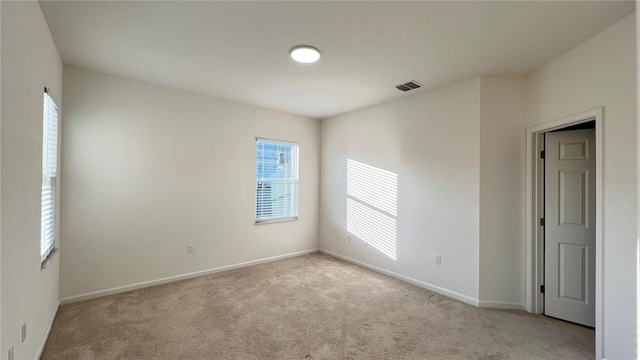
(305, 54)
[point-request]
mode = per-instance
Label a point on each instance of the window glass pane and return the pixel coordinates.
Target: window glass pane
(276, 180)
(49, 173)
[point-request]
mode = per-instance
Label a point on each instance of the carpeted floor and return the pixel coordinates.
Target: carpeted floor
(309, 307)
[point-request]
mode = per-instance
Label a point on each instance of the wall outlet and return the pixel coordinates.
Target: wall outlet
(348, 238)
(10, 357)
(190, 249)
(24, 331)
(438, 260)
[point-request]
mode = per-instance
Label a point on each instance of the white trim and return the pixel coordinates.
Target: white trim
(46, 334)
(534, 249)
(534, 252)
(502, 305)
(276, 141)
(170, 279)
(437, 289)
(276, 220)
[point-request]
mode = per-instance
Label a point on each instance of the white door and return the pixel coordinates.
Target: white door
(569, 226)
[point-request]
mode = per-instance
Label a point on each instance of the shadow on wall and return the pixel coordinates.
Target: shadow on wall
(372, 206)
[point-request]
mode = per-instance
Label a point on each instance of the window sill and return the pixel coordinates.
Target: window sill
(47, 261)
(271, 221)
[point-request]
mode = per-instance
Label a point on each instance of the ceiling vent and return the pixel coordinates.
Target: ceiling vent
(411, 85)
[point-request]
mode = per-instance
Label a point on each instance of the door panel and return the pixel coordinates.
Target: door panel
(573, 197)
(570, 226)
(572, 277)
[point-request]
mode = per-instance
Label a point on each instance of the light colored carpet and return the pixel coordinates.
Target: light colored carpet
(309, 307)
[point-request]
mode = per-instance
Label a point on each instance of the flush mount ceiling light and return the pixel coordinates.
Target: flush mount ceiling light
(305, 54)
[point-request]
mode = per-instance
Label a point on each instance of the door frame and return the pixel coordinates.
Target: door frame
(534, 300)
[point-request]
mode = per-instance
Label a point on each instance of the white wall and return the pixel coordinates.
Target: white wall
(459, 156)
(0, 180)
(30, 62)
(150, 169)
(431, 142)
(602, 72)
(502, 191)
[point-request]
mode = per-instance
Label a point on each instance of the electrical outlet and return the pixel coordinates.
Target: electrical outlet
(24, 331)
(10, 357)
(190, 249)
(438, 260)
(348, 238)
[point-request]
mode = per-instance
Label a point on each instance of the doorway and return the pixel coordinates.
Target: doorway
(569, 223)
(574, 213)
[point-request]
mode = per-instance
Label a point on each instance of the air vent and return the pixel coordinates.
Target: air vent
(408, 86)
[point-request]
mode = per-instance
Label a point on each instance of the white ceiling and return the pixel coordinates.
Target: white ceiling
(240, 50)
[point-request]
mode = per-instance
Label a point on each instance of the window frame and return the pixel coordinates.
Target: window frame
(260, 221)
(50, 113)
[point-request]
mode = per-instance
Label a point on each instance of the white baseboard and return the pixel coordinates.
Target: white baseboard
(503, 305)
(46, 334)
(437, 289)
(140, 285)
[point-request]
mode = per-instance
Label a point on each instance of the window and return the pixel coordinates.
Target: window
(276, 181)
(49, 173)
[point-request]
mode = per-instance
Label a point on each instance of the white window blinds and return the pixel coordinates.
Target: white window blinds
(276, 180)
(49, 173)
